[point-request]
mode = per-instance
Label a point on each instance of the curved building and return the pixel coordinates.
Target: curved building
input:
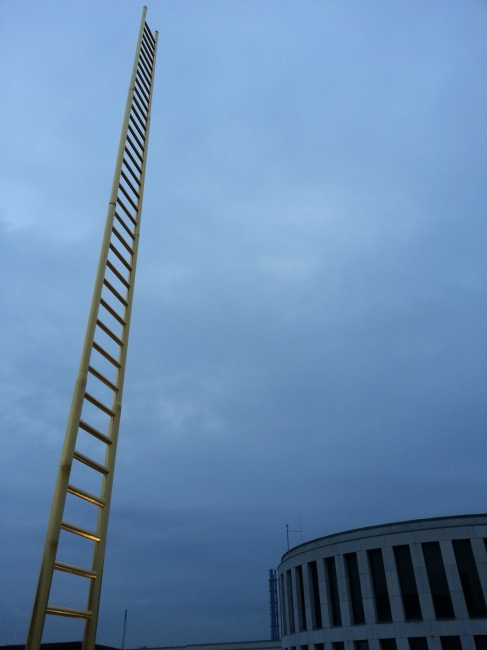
(414, 585)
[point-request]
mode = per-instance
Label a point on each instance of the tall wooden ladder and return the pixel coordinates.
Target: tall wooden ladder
(94, 417)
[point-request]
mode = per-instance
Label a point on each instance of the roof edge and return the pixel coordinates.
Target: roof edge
(289, 553)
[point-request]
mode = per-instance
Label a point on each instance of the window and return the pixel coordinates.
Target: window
(469, 578)
(379, 583)
(319, 646)
(388, 644)
(355, 591)
(407, 583)
(450, 643)
(304, 647)
(315, 595)
(333, 597)
(338, 645)
(290, 606)
(418, 643)
(361, 645)
(480, 642)
(300, 598)
(283, 615)
(437, 579)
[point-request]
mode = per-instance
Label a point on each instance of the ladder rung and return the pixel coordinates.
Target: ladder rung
(141, 146)
(146, 28)
(143, 82)
(148, 37)
(78, 492)
(145, 68)
(125, 209)
(129, 168)
(122, 222)
(147, 53)
(135, 163)
(108, 307)
(129, 183)
(115, 292)
(94, 432)
(122, 259)
(127, 230)
(134, 148)
(57, 610)
(119, 255)
(147, 49)
(76, 570)
(99, 404)
(145, 108)
(90, 463)
(117, 274)
(136, 113)
(102, 378)
(108, 356)
(77, 530)
(142, 91)
(131, 117)
(143, 73)
(127, 196)
(108, 331)
(146, 58)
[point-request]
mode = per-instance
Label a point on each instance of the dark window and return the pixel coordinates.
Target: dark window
(354, 589)
(361, 645)
(418, 643)
(480, 642)
(450, 643)
(407, 583)
(290, 606)
(315, 595)
(388, 644)
(304, 647)
(338, 645)
(333, 597)
(319, 646)
(381, 595)
(437, 579)
(300, 598)
(283, 616)
(469, 578)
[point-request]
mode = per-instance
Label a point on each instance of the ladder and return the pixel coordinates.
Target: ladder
(98, 393)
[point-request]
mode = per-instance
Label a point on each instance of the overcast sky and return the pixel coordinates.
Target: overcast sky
(308, 333)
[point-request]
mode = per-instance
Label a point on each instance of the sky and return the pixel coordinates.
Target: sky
(308, 335)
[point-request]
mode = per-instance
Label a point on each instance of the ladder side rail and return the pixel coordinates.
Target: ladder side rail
(60, 492)
(103, 514)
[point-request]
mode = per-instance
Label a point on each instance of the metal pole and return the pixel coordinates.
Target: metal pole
(124, 626)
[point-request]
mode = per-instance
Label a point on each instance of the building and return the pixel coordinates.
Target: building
(414, 585)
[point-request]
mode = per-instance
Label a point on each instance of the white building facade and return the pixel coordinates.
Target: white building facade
(416, 585)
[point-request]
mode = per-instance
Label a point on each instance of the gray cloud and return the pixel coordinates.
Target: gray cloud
(308, 329)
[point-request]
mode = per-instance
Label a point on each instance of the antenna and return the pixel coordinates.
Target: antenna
(288, 530)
